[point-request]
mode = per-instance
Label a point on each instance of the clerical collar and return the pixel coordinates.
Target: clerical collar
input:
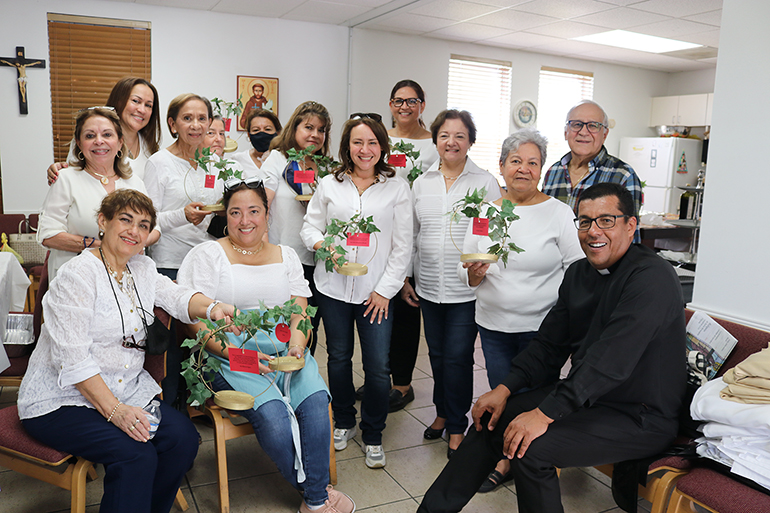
(603, 271)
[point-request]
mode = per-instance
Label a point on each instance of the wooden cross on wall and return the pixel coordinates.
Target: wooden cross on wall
(21, 63)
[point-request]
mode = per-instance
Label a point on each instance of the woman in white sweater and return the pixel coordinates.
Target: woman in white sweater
(512, 300)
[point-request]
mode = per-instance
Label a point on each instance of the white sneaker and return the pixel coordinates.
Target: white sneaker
(375, 456)
(341, 437)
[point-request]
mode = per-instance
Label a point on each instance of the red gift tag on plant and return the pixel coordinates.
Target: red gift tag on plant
(283, 332)
(358, 239)
(243, 360)
(304, 176)
(398, 160)
(480, 226)
(210, 180)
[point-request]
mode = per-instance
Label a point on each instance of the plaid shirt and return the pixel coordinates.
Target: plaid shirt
(602, 168)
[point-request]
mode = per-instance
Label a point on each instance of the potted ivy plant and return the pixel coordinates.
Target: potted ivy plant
(230, 108)
(495, 224)
(223, 167)
(324, 165)
(357, 232)
(199, 370)
(407, 150)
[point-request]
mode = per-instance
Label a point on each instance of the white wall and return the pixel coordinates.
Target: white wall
(691, 82)
(380, 59)
(733, 278)
(189, 54)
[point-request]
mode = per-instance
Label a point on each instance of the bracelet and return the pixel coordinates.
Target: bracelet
(210, 308)
(84, 242)
(296, 345)
(109, 419)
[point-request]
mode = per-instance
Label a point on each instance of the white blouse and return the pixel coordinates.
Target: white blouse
(207, 268)
(516, 298)
(81, 335)
(250, 169)
(172, 184)
(389, 251)
(70, 206)
(428, 154)
(437, 238)
(286, 213)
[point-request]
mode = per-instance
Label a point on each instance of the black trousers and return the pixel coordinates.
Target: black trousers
(404, 340)
(587, 437)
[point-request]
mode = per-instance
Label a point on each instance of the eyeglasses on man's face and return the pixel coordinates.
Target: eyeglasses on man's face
(604, 222)
(411, 102)
(593, 126)
(251, 183)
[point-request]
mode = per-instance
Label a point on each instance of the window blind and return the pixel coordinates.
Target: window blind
(483, 88)
(87, 56)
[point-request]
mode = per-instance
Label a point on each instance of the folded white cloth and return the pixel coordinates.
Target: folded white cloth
(707, 406)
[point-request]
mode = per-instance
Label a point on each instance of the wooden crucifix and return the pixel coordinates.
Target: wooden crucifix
(21, 63)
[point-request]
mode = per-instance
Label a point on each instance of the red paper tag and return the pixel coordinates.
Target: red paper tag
(243, 360)
(358, 239)
(283, 332)
(210, 179)
(480, 226)
(398, 160)
(304, 176)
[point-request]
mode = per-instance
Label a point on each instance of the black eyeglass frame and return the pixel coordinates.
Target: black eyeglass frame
(597, 127)
(371, 115)
(251, 183)
(411, 102)
(579, 220)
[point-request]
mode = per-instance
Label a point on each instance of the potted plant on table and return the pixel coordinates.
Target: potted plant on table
(406, 151)
(324, 166)
(357, 232)
(205, 158)
(495, 224)
(198, 371)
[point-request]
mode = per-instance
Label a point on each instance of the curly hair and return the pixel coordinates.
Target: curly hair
(120, 199)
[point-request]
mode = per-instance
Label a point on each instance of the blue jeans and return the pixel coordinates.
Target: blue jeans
(338, 317)
(450, 331)
(271, 425)
(499, 349)
(138, 476)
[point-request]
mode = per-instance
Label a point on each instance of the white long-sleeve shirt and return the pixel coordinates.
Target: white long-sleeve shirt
(437, 237)
(389, 202)
(428, 154)
(516, 298)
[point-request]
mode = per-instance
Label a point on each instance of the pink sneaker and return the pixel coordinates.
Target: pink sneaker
(337, 502)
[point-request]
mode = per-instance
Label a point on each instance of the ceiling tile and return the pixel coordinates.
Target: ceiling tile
(514, 20)
(203, 5)
(456, 10)
(265, 8)
(522, 40)
(566, 29)
(564, 47)
(370, 4)
(620, 18)
(679, 8)
(563, 9)
(674, 29)
(623, 3)
(414, 23)
(468, 32)
(324, 12)
(710, 38)
(709, 18)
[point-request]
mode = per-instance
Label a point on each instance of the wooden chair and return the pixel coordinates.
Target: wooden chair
(225, 429)
(717, 493)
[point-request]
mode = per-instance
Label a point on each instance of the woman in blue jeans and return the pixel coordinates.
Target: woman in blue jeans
(364, 184)
(512, 300)
(447, 305)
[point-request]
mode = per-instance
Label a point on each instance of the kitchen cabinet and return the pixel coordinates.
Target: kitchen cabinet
(685, 110)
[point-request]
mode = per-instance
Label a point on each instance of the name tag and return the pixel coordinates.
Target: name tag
(398, 160)
(358, 239)
(283, 332)
(480, 226)
(304, 176)
(210, 180)
(243, 360)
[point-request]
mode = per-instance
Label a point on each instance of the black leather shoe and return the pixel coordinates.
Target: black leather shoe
(397, 400)
(360, 393)
(495, 479)
(432, 434)
(449, 452)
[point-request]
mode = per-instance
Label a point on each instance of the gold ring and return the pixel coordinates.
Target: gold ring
(131, 428)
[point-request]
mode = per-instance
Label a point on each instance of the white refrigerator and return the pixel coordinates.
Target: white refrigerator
(663, 163)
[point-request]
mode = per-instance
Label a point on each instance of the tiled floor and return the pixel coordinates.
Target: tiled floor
(256, 486)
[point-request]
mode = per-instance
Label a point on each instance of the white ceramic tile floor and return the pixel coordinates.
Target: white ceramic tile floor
(255, 485)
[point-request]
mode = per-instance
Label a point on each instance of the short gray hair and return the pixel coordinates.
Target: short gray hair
(526, 135)
(605, 121)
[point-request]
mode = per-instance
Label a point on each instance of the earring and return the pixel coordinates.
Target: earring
(81, 156)
(225, 230)
(119, 155)
(101, 233)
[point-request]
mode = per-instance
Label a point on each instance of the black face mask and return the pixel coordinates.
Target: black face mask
(261, 141)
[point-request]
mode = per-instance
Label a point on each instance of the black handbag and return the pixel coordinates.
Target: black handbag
(158, 339)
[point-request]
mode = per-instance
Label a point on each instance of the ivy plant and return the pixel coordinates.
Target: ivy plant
(324, 165)
(337, 229)
(231, 108)
(411, 154)
(199, 370)
(500, 219)
(205, 157)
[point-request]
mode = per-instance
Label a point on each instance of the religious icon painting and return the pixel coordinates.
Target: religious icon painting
(256, 93)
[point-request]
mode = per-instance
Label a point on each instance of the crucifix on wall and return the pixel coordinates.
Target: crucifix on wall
(21, 63)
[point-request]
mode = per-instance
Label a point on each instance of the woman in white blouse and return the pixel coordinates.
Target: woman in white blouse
(136, 102)
(512, 300)
(407, 103)
(241, 268)
(447, 305)
(179, 187)
(263, 125)
(364, 184)
(85, 388)
(68, 216)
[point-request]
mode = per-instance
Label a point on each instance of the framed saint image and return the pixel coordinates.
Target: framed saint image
(256, 93)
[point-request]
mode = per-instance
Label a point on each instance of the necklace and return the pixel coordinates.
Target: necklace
(246, 251)
(104, 179)
(125, 282)
(447, 177)
(360, 190)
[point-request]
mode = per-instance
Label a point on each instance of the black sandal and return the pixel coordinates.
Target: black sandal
(495, 479)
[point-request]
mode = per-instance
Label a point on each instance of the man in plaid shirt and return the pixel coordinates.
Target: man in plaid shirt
(588, 162)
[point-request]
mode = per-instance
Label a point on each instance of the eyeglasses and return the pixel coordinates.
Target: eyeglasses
(604, 222)
(106, 107)
(370, 115)
(397, 102)
(129, 342)
(593, 126)
(251, 183)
